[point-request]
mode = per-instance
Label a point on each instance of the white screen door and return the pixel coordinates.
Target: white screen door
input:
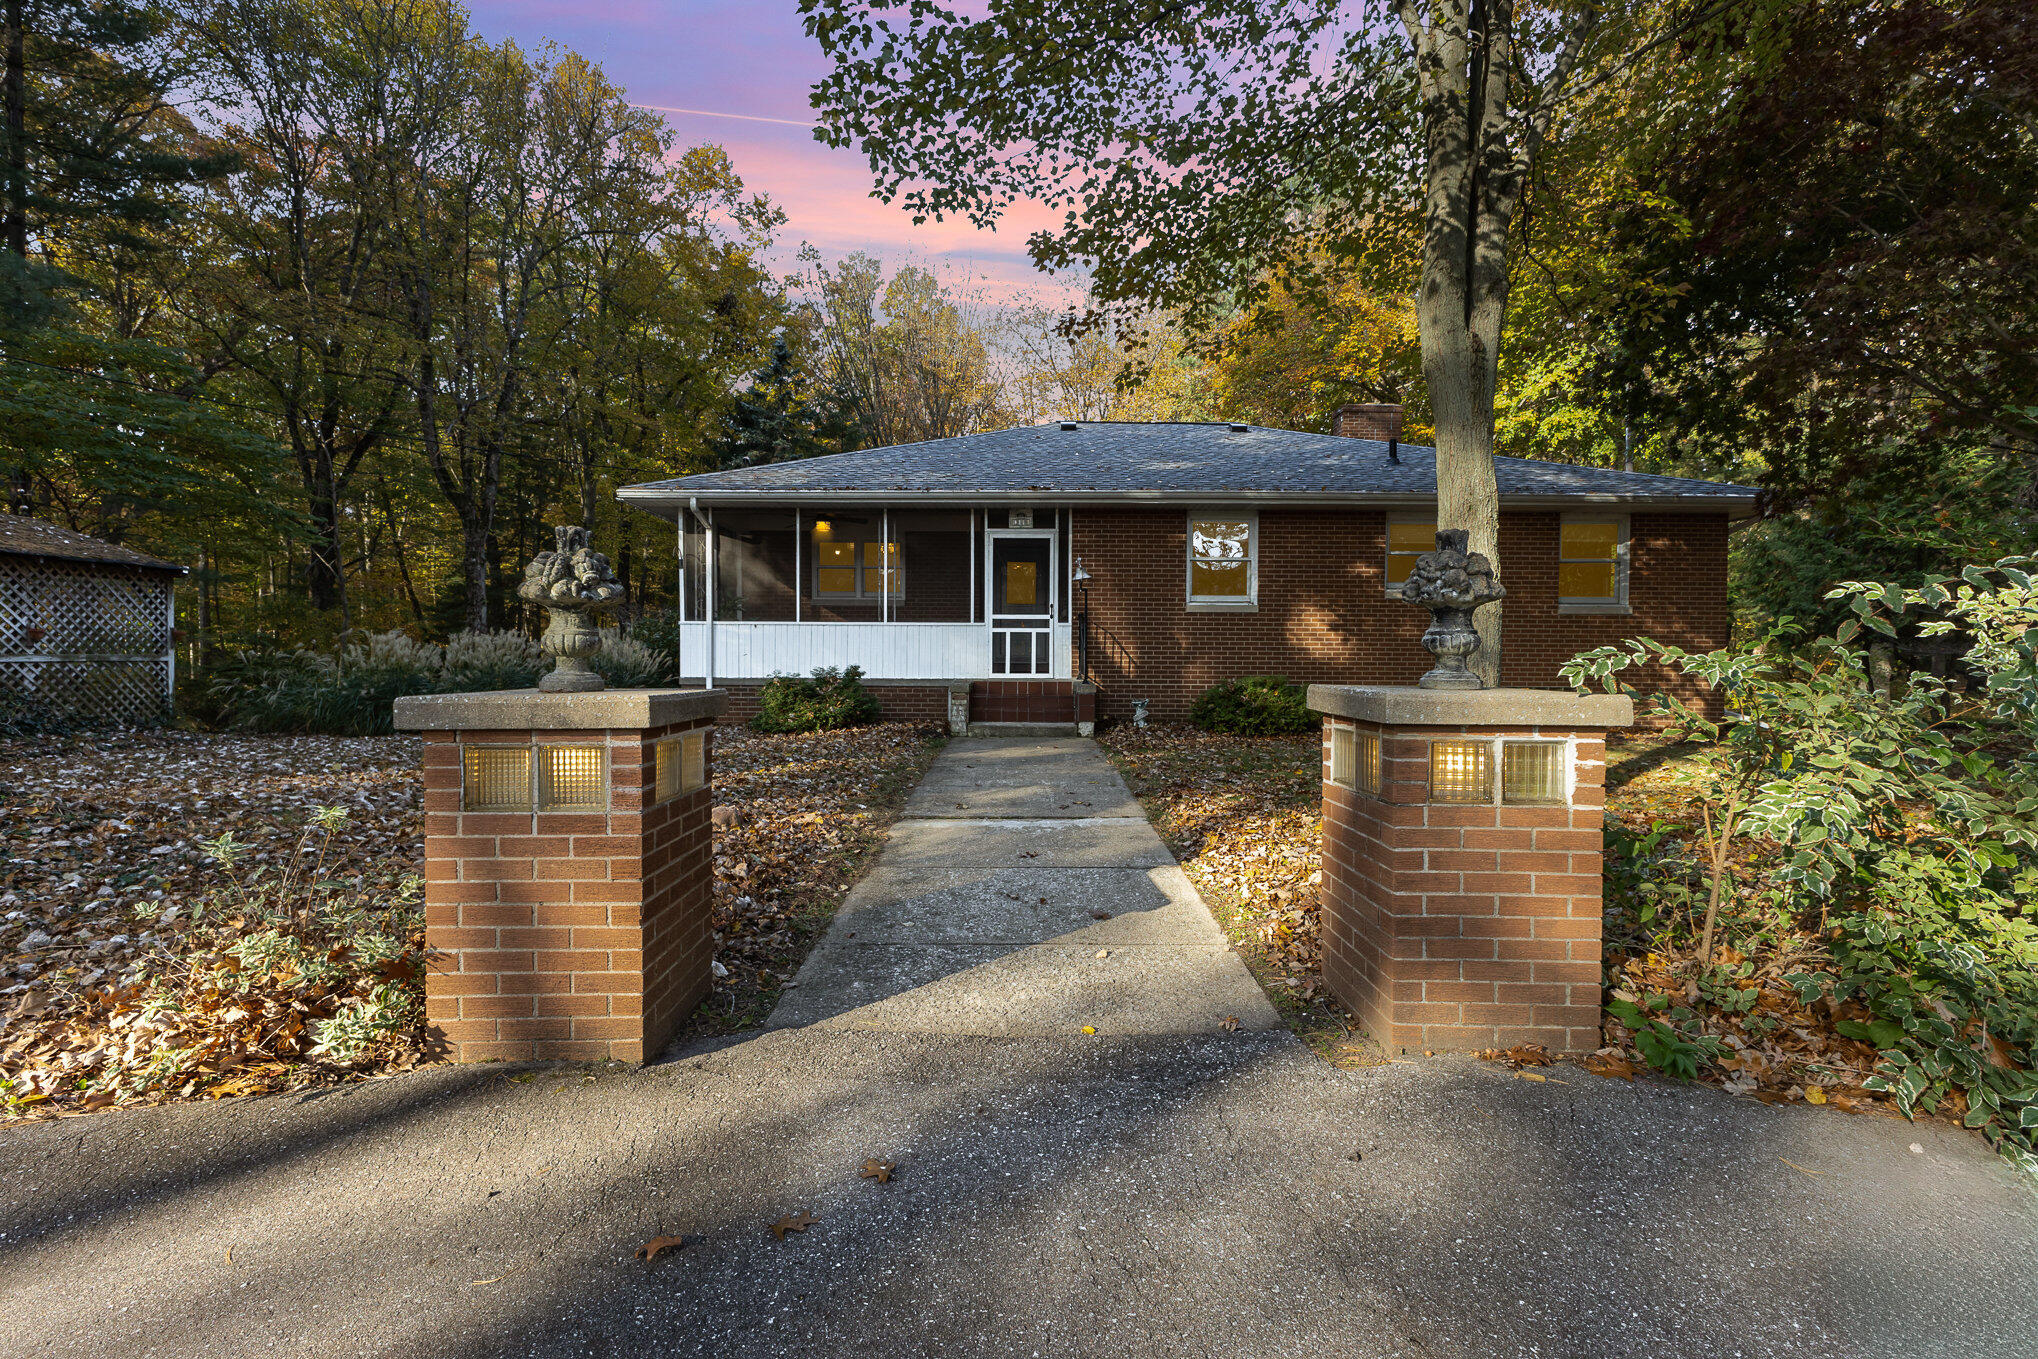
(1020, 584)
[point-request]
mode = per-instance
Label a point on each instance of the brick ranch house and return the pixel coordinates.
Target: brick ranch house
(1184, 553)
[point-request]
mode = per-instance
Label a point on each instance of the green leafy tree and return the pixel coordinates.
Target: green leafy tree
(1196, 147)
(103, 421)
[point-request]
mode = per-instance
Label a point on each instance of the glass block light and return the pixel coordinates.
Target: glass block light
(693, 761)
(1532, 771)
(1460, 771)
(571, 777)
(682, 766)
(1355, 759)
(495, 779)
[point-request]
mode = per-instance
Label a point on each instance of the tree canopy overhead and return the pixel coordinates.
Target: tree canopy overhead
(1194, 147)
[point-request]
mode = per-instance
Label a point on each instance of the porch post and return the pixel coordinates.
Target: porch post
(884, 574)
(973, 601)
(798, 576)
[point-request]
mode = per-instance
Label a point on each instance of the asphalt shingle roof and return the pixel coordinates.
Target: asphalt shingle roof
(24, 537)
(1113, 459)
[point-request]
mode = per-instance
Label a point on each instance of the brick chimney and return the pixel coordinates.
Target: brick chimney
(1381, 421)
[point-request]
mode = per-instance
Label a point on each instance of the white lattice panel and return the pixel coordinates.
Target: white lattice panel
(85, 641)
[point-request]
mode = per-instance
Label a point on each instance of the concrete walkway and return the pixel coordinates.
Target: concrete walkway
(1023, 893)
(1163, 1188)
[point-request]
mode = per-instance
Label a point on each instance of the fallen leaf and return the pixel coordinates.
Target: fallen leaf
(1231, 1023)
(1100, 915)
(1532, 1075)
(658, 1245)
(793, 1223)
(881, 1171)
(1795, 1166)
(1611, 1065)
(1089, 1028)
(1814, 1095)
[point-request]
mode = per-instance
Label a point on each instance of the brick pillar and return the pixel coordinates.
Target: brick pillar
(567, 889)
(1459, 918)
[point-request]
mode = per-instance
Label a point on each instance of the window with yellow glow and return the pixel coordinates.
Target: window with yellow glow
(1222, 553)
(847, 567)
(681, 767)
(1460, 771)
(1592, 560)
(1407, 539)
(1022, 585)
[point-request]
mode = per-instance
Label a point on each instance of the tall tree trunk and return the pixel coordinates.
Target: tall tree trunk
(14, 226)
(1477, 154)
(325, 577)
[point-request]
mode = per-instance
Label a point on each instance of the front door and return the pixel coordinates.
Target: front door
(1021, 587)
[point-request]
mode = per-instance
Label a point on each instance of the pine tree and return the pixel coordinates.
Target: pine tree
(96, 165)
(771, 421)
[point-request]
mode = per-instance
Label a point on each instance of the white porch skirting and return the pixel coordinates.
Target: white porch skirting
(930, 651)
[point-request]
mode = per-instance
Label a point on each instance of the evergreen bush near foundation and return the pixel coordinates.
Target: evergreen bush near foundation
(1258, 705)
(823, 701)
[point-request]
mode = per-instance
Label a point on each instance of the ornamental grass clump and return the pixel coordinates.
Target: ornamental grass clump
(1845, 909)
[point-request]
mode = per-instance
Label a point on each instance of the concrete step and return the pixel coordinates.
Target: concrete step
(1024, 729)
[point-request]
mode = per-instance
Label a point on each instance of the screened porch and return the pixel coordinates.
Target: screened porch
(934, 594)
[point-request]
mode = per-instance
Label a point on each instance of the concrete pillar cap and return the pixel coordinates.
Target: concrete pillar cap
(1407, 706)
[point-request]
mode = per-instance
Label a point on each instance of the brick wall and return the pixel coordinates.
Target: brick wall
(565, 935)
(1324, 615)
(1459, 927)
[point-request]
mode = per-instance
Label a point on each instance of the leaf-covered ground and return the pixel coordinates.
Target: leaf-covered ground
(137, 967)
(1768, 1042)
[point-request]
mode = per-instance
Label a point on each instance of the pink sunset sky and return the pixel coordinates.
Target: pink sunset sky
(722, 71)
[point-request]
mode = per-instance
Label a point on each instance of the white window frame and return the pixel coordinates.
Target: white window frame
(1249, 602)
(1387, 553)
(1618, 603)
(861, 596)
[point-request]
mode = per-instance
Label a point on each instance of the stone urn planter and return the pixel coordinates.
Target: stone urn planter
(1451, 583)
(576, 586)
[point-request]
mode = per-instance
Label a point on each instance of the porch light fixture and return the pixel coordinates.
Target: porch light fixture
(823, 528)
(1082, 582)
(1460, 771)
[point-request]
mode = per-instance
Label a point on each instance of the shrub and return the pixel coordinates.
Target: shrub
(822, 702)
(1894, 825)
(1258, 705)
(626, 663)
